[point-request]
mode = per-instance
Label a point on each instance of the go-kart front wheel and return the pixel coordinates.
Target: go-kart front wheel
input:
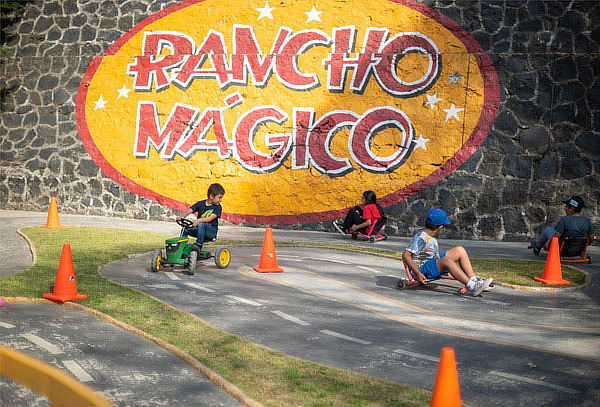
(222, 257)
(192, 260)
(156, 261)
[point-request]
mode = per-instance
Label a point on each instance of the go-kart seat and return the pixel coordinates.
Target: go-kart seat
(574, 247)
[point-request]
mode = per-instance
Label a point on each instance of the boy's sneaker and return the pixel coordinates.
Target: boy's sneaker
(489, 288)
(481, 285)
(532, 245)
(338, 227)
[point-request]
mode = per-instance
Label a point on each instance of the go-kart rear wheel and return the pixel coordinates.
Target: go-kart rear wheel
(192, 260)
(156, 261)
(222, 257)
(401, 284)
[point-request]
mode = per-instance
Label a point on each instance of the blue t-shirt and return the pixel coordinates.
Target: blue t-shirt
(204, 211)
(574, 226)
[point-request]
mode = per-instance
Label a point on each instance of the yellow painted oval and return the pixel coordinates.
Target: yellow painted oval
(294, 108)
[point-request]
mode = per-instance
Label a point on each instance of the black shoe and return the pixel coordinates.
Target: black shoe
(338, 227)
(536, 250)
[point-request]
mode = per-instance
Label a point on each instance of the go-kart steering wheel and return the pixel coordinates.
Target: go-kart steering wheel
(185, 223)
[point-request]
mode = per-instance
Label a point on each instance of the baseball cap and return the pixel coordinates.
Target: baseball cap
(575, 202)
(437, 217)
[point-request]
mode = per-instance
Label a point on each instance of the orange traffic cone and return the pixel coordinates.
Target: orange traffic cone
(65, 286)
(268, 258)
(53, 222)
(446, 390)
(552, 271)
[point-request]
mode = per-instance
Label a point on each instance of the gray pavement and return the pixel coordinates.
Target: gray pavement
(124, 368)
(514, 348)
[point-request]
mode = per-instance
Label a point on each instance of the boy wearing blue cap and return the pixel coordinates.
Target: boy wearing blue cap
(424, 260)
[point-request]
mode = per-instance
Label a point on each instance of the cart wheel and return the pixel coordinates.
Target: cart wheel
(589, 259)
(192, 260)
(401, 284)
(354, 236)
(371, 239)
(462, 291)
(156, 260)
(222, 257)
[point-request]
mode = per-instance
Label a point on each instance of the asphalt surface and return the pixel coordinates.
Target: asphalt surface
(514, 348)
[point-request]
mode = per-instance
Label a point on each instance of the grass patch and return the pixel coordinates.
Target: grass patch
(265, 375)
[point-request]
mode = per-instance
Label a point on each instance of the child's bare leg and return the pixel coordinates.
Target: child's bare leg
(459, 255)
(447, 263)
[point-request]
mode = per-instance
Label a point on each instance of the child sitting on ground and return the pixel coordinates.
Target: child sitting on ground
(362, 216)
(209, 211)
(426, 263)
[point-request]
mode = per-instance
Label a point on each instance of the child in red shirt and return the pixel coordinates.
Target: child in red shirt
(371, 212)
(362, 217)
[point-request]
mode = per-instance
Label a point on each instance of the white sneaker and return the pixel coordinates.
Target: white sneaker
(490, 287)
(338, 227)
(481, 285)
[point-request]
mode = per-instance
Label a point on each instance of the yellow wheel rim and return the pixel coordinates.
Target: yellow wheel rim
(224, 257)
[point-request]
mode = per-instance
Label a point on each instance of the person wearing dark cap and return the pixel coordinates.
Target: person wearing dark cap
(425, 262)
(574, 224)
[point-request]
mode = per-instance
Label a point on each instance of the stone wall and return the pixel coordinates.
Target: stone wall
(543, 146)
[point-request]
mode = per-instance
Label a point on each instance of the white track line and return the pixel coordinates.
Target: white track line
(42, 343)
(200, 287)
(7, 325)
(331, 260)
(533, 381)
(291, 318)
(370, 269)
(342, 336)
(416, 355)
(558, 308)
(77, 371)
(172, 276)
(245, 301)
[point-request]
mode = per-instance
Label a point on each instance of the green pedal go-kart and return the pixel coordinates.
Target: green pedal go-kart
(179, 251)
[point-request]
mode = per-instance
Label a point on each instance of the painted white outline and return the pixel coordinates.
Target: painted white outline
(307, 45)
(407, 137)
(268, 139)
(327, 142)
(165, 140)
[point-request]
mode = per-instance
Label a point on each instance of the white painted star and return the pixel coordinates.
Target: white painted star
(454, 78)
(452, 112)
(432, 100)
(100, 103)
(420, 142)
(123, 92)
(313, 15)
(266, 11)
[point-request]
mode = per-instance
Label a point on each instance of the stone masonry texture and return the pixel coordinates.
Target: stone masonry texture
(543, 147)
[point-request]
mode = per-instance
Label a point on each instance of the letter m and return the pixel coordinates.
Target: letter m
(148, 131)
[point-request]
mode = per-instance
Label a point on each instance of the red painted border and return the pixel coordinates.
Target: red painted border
(480, 132)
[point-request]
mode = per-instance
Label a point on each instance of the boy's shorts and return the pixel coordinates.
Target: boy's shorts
(430, 270)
